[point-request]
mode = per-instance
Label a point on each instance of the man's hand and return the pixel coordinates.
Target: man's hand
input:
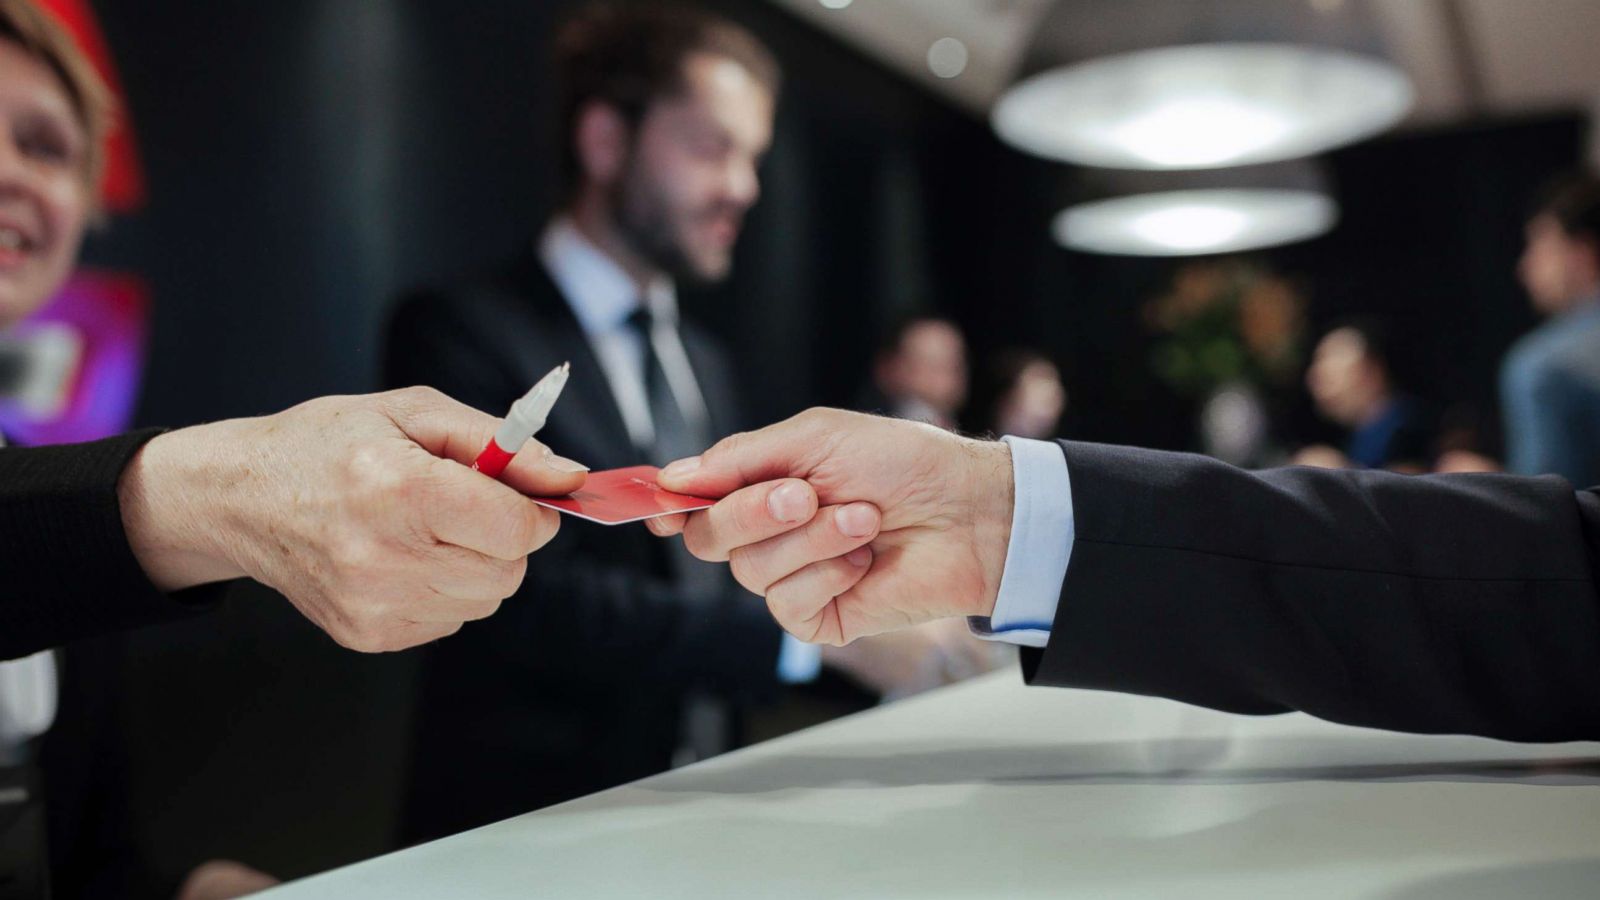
(800, 521)
(363, 511)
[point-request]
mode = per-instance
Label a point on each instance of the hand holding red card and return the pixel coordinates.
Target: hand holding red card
(626, 495)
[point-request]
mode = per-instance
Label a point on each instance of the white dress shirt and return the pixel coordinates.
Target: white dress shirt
(27, 700)
(1042, 533)
(603, 297)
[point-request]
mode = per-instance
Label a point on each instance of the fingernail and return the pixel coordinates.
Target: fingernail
(562, 464)
(858, 557)
(789, 502)
(683, 468)
(855, 520)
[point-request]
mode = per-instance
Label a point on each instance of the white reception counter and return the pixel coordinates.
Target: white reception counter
(993, 789)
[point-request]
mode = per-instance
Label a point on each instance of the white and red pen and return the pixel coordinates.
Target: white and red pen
(526, 417)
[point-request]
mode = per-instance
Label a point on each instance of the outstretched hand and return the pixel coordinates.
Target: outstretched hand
(849, 524)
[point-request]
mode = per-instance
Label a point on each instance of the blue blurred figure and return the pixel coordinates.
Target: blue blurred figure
(1550, 380)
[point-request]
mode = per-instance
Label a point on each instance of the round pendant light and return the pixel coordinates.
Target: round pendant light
(1195, 222)
(1202, 106)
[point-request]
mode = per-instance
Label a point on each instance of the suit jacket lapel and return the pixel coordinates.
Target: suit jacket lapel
(586, 424)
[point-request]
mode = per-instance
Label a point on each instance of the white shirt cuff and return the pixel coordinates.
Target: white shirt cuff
(1042, 532)
(798, 661)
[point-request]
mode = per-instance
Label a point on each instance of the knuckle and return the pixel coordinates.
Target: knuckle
(406, 406)
(778, 603)
(844, 575)
(546, 525)
(360, 638)
(787, 612)
(411, 399)
(374, 617)
(373, 477)
(831, 576)
(353, 556)
(697, 540)
(729, 445)
(509, 579)
(750, 515)
(481, 609)
(823, 539)
(522, 529)
(819, 418)
(746, 570)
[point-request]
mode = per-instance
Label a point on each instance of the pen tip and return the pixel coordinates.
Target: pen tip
(566, 366)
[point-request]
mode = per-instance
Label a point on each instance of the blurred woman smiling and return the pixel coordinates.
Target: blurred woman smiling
(55, 113)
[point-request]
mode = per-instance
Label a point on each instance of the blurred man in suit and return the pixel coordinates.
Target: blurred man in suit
(628, 654)
(1550, 382)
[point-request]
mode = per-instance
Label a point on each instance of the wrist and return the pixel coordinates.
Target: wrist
(172, 512)
(990, 500)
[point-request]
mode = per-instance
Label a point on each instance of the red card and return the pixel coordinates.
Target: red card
(626, 495)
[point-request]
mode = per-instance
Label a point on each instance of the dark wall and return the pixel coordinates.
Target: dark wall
(310, 159)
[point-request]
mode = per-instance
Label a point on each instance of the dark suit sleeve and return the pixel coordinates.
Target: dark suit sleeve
(66, 570)
(584, 607)
(1440, 604)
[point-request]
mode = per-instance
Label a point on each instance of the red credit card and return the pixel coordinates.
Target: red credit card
(619, 496)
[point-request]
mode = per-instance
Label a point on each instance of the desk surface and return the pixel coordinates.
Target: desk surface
(992, 789)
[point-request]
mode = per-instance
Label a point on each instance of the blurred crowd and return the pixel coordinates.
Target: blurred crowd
(1549, 380)
(921, 372)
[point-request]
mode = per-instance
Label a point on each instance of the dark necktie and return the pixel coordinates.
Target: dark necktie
(675, 436)
(706, 726)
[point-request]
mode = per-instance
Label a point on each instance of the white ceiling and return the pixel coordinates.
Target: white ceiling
(1468, 58)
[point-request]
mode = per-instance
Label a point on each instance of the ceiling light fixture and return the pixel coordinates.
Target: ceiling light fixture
(1202, 106)
(1195, 222)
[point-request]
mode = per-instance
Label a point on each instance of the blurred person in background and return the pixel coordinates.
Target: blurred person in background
(1351, 379)
(627, 655)
(148, 527)
(920, 372)
(1019, 392)
(1550, 380)
(55, 113)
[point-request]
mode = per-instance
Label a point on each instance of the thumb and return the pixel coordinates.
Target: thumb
(535, 470)
(454, 431)
(787, 449)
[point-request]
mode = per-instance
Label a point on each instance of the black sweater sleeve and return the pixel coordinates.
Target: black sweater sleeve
(66, 570)
(1463, 604)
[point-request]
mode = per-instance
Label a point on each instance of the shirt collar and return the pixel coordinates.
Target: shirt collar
(600, 293)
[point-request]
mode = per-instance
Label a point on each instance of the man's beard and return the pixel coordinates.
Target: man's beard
(644, 218)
